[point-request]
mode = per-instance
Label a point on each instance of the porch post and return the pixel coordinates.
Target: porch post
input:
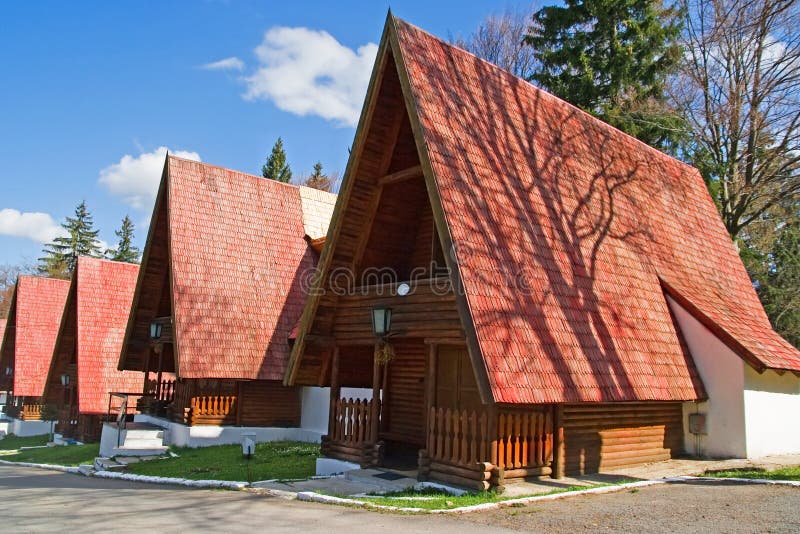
(558, 442)
(430, 384)
(376, 397)
(160, 351)
(147, 368)
(335, 390)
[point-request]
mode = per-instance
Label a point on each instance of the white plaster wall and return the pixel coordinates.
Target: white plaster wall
(316, 404)
(772, 413)
(207, 435)
(722, 372)
(24, 428)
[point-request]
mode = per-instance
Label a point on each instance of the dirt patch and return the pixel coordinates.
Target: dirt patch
(684, 507)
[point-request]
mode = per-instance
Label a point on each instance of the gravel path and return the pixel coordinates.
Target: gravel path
(684, 507)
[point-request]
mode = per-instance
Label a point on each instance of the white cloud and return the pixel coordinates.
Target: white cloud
(39, 227)
(136, 179)
(308, 72)
(229, 63)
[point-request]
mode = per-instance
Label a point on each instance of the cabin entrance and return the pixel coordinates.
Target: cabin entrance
(402, 424)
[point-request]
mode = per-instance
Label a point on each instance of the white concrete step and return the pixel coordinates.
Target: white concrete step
(142, 443)
(143, 433)
(151, 451)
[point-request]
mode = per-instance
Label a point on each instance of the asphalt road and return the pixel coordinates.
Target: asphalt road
(35, 500)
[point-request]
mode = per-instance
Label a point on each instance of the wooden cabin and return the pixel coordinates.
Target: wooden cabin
(37, 305)
(83, 370)
(530, 256)
(223, 278)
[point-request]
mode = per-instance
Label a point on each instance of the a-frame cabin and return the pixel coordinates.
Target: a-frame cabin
(83, 371)
(533, 259)
(26, 349)
(222, 278)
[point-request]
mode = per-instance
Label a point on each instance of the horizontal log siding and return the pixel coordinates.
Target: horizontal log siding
(421, 314)
(600, 437)
(269, 403)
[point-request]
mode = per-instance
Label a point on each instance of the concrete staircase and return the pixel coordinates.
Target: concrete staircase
(136, 439)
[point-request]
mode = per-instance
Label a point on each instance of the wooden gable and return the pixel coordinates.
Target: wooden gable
(388, 217)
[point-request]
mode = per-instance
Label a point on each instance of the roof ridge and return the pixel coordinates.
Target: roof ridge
(247, 174)
(550, 95)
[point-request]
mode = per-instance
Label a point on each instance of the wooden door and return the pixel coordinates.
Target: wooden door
(403, 413)
(456, 386)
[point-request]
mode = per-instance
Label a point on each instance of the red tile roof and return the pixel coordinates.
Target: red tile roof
(565, 230)
(102, 302)
(2, 330)
(238, 255)
(36, 309)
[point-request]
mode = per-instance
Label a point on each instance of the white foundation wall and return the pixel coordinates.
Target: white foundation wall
(181, 435)
(24, 428)
(772, 413)
(722, 372)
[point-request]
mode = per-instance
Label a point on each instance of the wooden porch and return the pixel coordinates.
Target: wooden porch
(458, 439)
(25, 411)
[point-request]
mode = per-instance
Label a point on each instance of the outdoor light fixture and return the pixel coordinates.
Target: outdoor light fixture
(9, 370)
(381, 321)
(155, 330)
(248, 444)
(65, 380)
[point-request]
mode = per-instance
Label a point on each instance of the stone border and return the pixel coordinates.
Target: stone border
(51, 467)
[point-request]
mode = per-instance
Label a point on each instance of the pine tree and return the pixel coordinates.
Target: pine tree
(276, 167)
(317, 180)
(611, 58)
(61, 256)
(125, 251)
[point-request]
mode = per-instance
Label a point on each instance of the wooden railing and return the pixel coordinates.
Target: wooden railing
(458, 437)
(352, 434)
(476, 450)
(213, 410)
(165, 392)
(31, 412)
(352, 422)
(525, 439)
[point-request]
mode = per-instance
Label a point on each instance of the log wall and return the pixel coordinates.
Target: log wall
(600, 437)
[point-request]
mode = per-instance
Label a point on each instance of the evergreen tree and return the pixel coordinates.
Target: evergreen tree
(317, 180)
(276, 167)
(611, 58)
(61, 255)
(125, 251)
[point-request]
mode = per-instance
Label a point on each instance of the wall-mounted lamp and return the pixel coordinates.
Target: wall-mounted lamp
(381, 321)
(9, 370)
(65, 380)
(155, 330)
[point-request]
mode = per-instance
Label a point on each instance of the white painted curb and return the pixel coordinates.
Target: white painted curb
(317, 497)
(217, 484)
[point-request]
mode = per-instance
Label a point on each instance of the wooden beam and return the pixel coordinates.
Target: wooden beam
(559, 460)
(399, 176)
(430, 386)
(335, 390)
(376, 397)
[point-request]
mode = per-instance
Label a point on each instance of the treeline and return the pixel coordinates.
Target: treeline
(61, 255)
(277, 168)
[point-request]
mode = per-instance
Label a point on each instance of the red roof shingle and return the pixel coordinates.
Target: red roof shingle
(102, 303)
(36, 309)
(238, 255)
(565, 231)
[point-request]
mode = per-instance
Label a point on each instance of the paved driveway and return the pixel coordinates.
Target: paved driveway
(34, 500)
(685, 507)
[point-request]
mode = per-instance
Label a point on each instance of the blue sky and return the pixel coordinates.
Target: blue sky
(92, 90)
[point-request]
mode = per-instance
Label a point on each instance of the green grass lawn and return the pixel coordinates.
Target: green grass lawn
(12, 442)
(71, 455)
(281, 460)
(435, 499)
(785, 473)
